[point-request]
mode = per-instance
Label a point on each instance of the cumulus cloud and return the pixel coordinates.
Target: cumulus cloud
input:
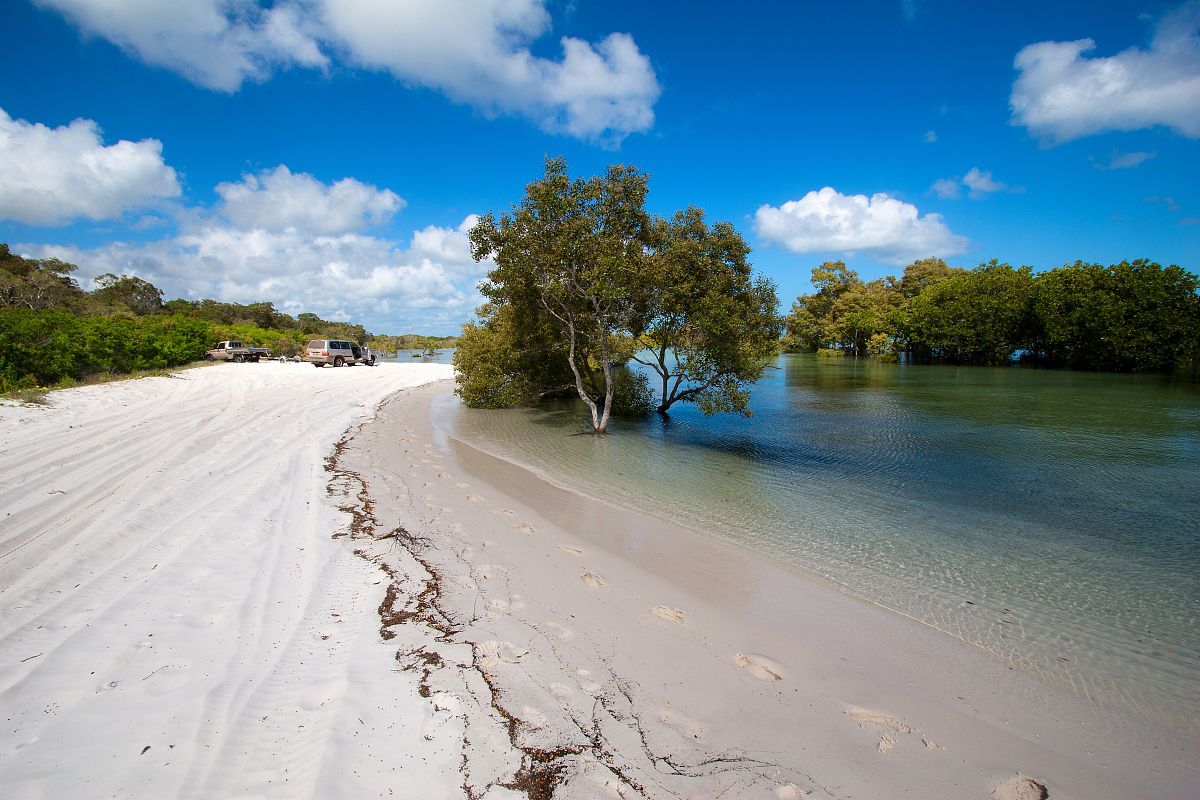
(277, 200)
(475, 51)
(930, 136)
(52, 176)
(215, 43)
(427, 284)
(879, 226)
(1060, 94)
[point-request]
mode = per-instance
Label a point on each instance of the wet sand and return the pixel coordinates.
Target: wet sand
(601, 652)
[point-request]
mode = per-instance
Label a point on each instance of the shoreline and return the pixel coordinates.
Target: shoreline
(176, 620)
(716, 656)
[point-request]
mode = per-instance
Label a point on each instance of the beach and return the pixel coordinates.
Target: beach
(176, 619)
(272, 581)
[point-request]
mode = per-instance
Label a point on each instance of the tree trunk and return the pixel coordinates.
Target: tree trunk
(583, 395)
(609, 386)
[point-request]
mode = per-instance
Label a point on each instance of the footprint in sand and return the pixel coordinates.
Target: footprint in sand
(493, 652)
(669, 614)
(527, 529)
(474, 498)
(790, 791)
(487, 572)
(864, 717)
(508, 512)
(586, 683)
(463, 485)
(563, 633)
(489, 544)
(690, 728)
(886, 725)
(593, 580)
(761, 667)
(1020, 788)
(571, 551)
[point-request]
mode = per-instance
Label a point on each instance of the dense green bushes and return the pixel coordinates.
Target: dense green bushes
(53, 346)
(52, 332)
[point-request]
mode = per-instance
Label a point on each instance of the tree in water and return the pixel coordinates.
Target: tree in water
(573, 246)
(704, 324)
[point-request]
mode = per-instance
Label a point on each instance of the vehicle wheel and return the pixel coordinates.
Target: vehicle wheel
(254, 359)
(208, 357)
(238, 359)
(339, 361)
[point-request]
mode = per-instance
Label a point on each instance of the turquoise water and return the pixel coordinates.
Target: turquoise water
(1051, 518)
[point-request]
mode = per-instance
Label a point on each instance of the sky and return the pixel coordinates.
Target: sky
(330, 155)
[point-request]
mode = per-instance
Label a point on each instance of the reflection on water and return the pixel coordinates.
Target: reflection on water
(1048, 517)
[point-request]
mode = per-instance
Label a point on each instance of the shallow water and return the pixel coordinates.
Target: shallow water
(1051, 518)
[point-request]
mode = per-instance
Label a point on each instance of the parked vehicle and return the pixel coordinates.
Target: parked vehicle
(330, 351)
(363, 355)
(235, 351)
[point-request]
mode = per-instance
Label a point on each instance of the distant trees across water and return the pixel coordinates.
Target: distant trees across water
(54, 333)
(1130, 317)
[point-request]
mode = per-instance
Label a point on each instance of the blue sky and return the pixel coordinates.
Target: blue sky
(327, 155)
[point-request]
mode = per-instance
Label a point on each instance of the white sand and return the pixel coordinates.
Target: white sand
(168, 581)
(175, 618)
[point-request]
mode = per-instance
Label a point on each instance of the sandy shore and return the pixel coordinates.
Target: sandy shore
(258, 581)
(175, 618)
(608, 654)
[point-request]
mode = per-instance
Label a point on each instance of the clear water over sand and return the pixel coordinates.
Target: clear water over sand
(1051, 518)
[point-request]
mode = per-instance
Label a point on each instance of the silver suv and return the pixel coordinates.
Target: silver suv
(330, 351)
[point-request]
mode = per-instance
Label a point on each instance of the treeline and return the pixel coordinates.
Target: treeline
(1132, 317)
(54, 333)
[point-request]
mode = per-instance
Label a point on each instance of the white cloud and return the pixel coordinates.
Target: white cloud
(981, 183)
(215, 43)
(1061, 95)
(879, 226)
(388, 287)
(426, 285)
(52, 176)
(930, 136)
(1118, 160)
(278, 200)
(475, 51)
(978, 183)
(947, 188)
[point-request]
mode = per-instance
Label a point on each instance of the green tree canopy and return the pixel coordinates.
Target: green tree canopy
(570, 250)
(585, 279)
(704, 324)
(36, 284)
(127, 293)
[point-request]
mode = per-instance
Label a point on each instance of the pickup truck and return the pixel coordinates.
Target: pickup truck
(237, 352)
